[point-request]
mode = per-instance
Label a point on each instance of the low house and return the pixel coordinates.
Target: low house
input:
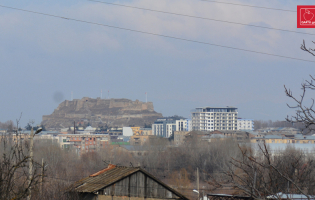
(117, 183)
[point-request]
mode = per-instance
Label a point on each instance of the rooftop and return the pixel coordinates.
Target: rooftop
(111, 175)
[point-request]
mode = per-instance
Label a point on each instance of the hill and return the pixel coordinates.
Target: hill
(113, 112)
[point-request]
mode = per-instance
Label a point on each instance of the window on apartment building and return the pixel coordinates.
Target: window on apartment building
(218, 117)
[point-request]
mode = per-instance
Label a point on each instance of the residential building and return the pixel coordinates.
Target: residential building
(245, 124)
(285, 139)
(214, 118)
(146, 131)
(138, 139)
(84, 143)
(179, 137)
(164, 127)
(136, 130)
(240, 136)
(183, 125)
(118, 182)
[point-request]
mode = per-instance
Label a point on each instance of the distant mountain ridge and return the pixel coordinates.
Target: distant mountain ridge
(113, 112)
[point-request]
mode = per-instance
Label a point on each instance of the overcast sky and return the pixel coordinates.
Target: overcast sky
(44, 59)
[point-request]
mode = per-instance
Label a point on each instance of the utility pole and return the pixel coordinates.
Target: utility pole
(30, 172)
(42, 178)
(198, 182)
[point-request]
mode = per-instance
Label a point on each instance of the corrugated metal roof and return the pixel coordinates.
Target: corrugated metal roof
(95, 183)
(109, 176)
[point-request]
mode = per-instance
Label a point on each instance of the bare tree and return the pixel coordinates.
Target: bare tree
(262, 173)
(14, 182)
(305, 112)
(309, 50)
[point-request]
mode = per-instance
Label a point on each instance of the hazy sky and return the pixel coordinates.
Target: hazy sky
(43, 59)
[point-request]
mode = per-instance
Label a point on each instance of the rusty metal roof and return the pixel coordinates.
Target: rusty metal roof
(111, 175)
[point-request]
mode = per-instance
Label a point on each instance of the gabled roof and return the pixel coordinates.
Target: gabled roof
(111, 175)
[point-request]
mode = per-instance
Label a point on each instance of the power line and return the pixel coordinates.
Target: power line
(203, 18)
(246, 5)
(160, 35)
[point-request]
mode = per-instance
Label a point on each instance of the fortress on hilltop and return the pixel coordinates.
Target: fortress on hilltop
(113, 112)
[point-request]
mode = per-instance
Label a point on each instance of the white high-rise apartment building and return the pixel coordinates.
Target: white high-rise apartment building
(183, 125)
(212, 118)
